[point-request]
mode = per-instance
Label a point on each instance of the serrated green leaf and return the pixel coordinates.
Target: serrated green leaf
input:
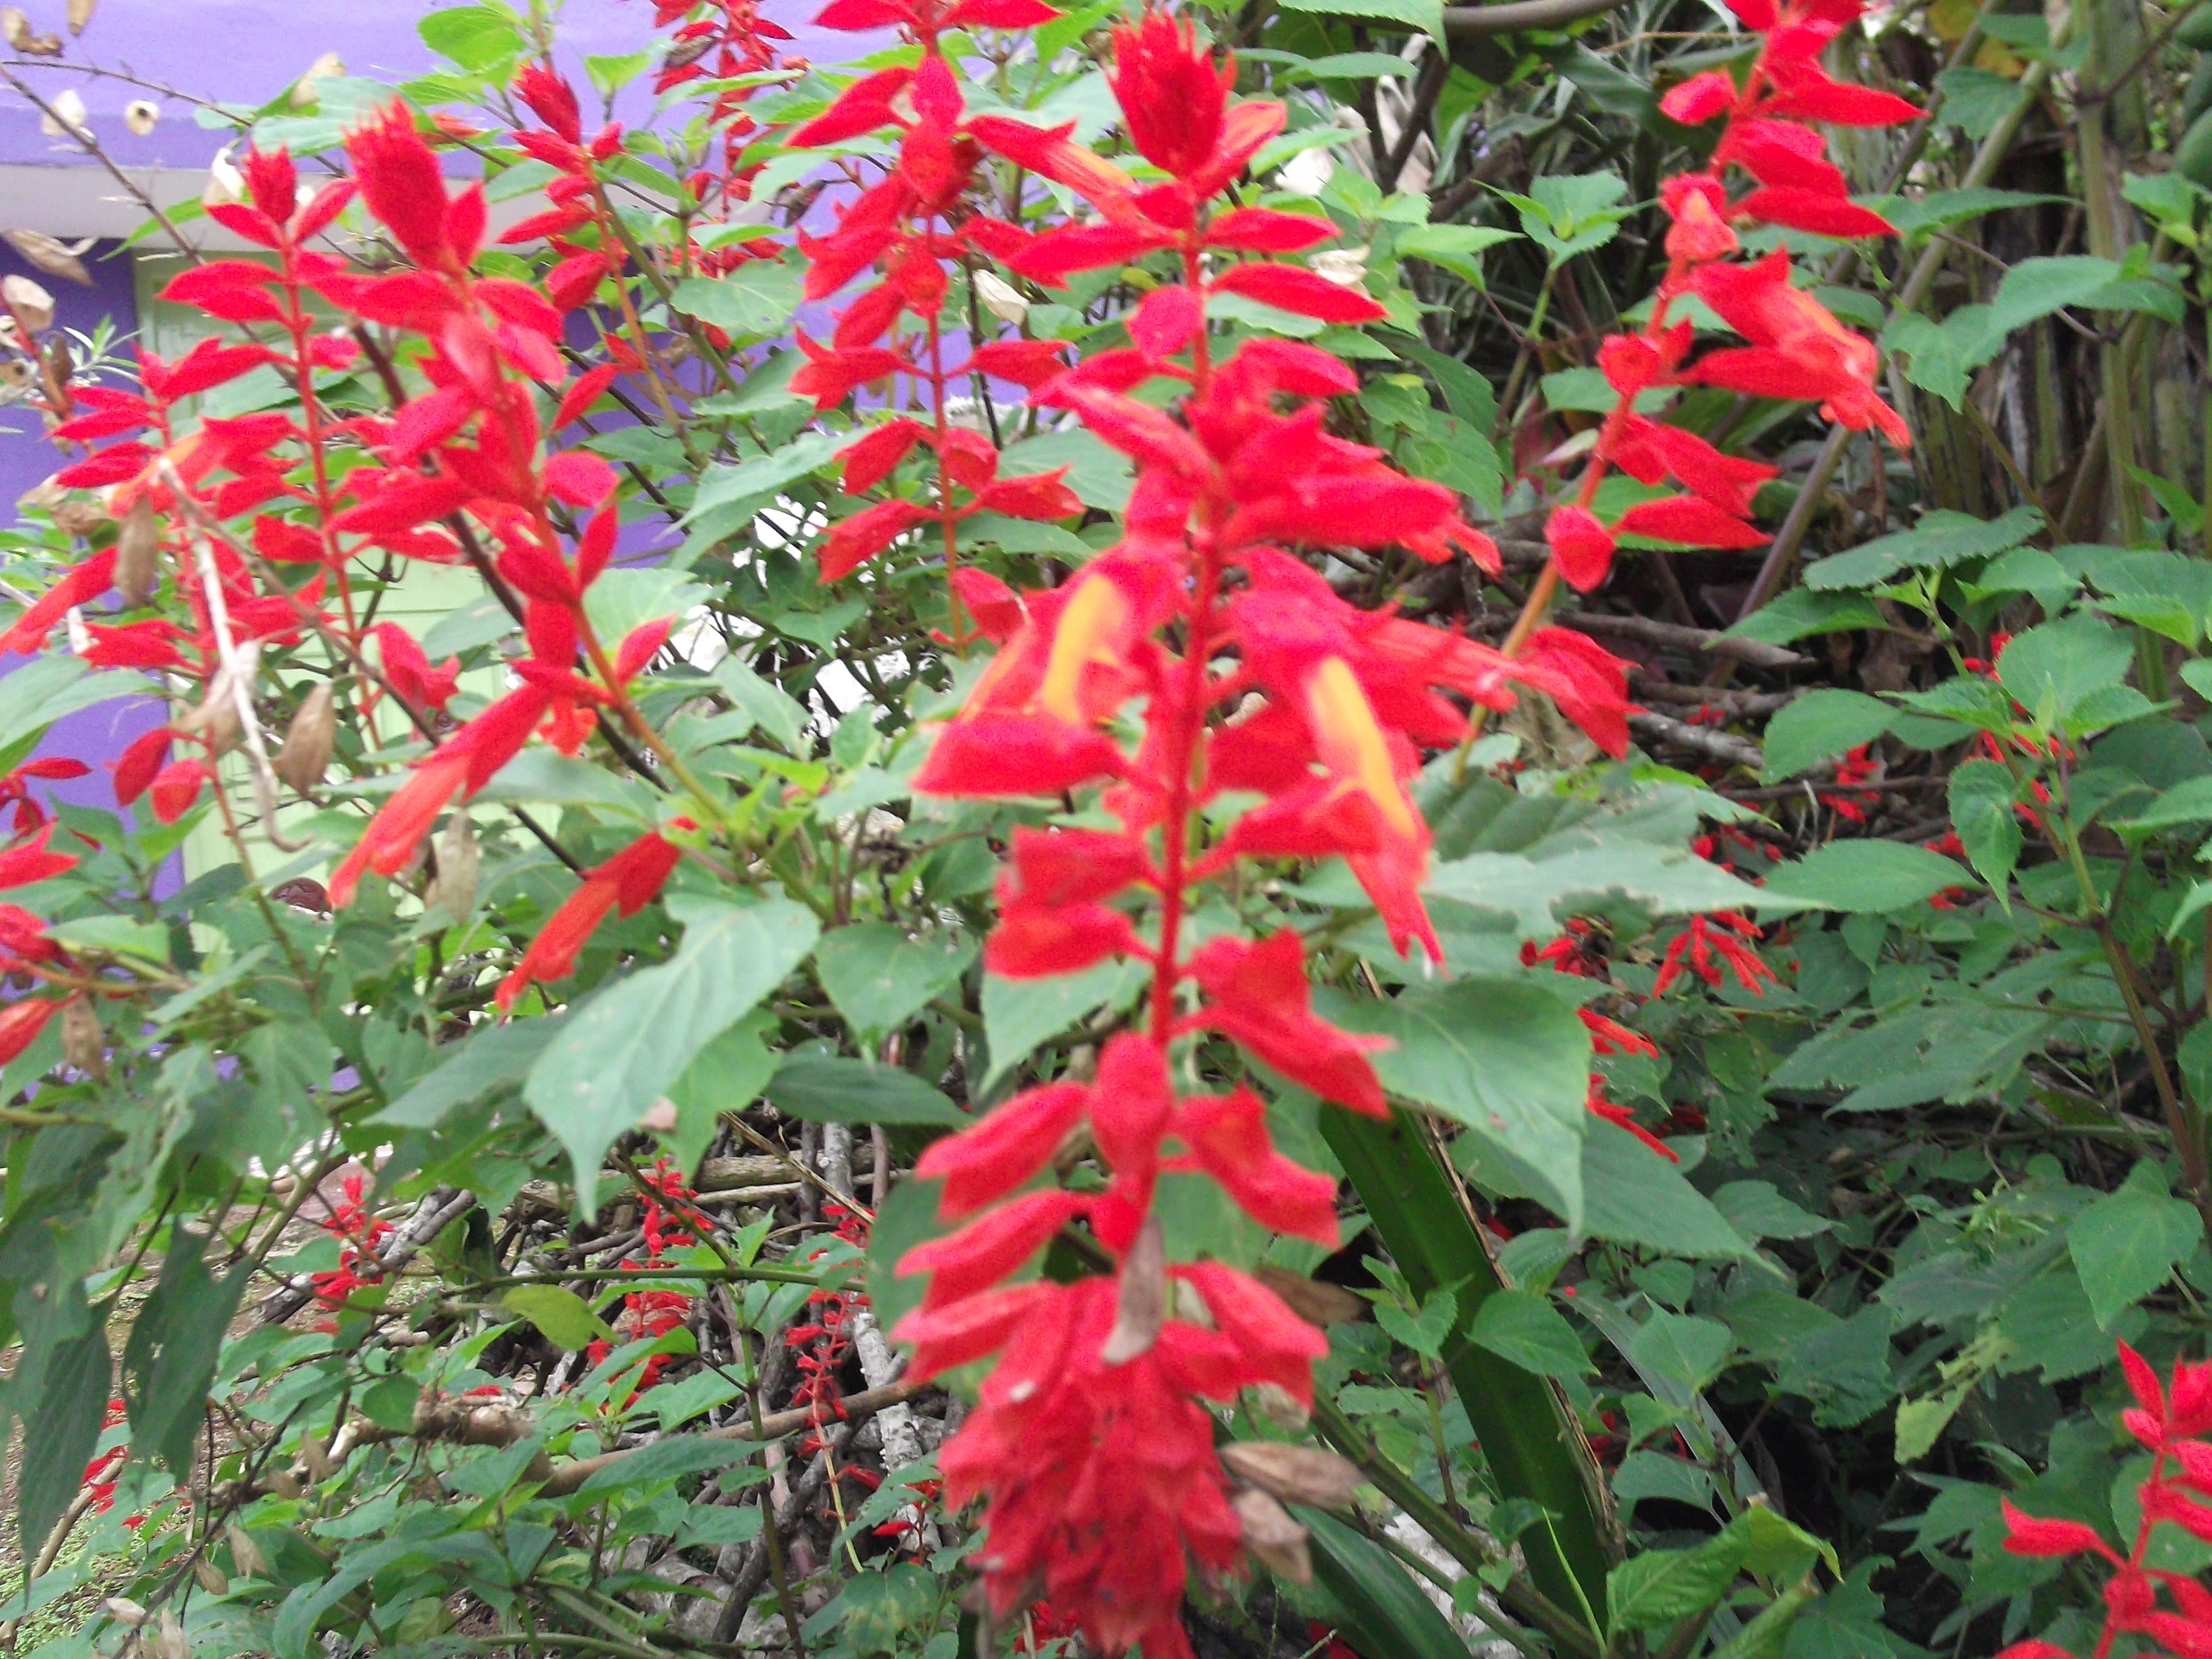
(1872, 877)
(1528, 1330)
(1982, 812)
(1819, 725)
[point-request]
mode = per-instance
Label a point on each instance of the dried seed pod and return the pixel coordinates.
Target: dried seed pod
(1296, 1474)
(1144, 1298)
(80, 14)
(29, 302)
(14, 27)
(212, 1578)
(140, 114)
(66, 120)
(124, 1611)
(49, 256)
(454, 891)
(1272, 1535)
(169, 1640)
(214, 718)
(315, 1459)
(84, 1044)
(138, 554)
(1313, 1300)
(245, 1554)
(306, 755)
(1002, 298)
(304, 93)
(225, 183)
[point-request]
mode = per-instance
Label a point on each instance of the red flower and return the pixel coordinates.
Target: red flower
(1798, 348)
(626, 882)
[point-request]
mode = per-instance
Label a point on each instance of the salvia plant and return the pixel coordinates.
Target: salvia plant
(879, 879)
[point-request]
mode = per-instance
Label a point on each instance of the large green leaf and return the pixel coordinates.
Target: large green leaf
(2054, 669)
(1509, 1060)
(61, 1427)
(1941, 540)
(1981, 812)
(488, 1059)
(1540, 894)
(1392, 1614)
(758, 298)
(175, 1339)
(35, 695)
(1866, 876)
(1632, 1194)
(837, 1089)
(1019, 1014)
(1528, 1330)
(880, 976)
(620, 1052)
(2128, 1243)
(1819, 725)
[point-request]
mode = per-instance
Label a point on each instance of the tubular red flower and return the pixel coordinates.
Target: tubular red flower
(400, 182)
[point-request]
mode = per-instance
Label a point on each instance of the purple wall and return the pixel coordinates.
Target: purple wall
(247, 51)
(93, 735)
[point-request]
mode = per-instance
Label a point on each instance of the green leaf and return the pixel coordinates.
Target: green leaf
(1099, 475)
(1975, 99)
(2128, 1243)
(170, 1358)
(878, 1610)
(540, 773)
(1941, 540)
(562, 1317)
(1981, 812)
(1632, 1194)
(1800, 612)
(880, 976)
(1390, 1614)
(741, 488)
(618, 1053)
(35, 695)
(1818, 725)
(837, 1089)
(1756, 1210)
(475, 37)
(727, 1076)
(1660, 1587)
(772, 709)
(667, 1459)
(758, 298)
(488, 1059)
(1427, 16)
(1424, 1331)
(1866, 876)
(1528, 1330)
(1681, 1348)
(1019, 1014)
(2058, 665)
(61, 1428)
(118, 935)
(2187, 802)
(1506, 1057)
(1539, 894)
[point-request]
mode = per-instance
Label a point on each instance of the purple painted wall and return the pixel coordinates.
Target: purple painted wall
(247, 51)
(93, 735)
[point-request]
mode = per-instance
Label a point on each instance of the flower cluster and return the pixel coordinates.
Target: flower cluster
(665, 1225)
(2171, 1424)
(1254, 675)
(1796, 347)
(358, 1231)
